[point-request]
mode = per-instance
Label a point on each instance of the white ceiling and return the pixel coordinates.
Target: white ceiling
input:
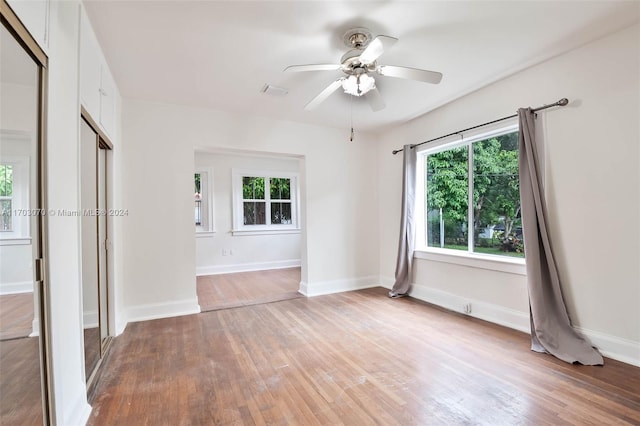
(219, 54)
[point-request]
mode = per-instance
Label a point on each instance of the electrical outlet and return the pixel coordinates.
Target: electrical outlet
(226, 252)
(466, 308)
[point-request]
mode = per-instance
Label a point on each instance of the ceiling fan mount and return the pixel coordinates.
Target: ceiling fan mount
(360, 63)
(357, 38)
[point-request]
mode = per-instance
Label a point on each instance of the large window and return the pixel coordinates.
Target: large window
(265, 202)
(470, 191)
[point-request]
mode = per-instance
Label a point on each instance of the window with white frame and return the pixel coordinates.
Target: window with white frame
(265, 202)
(470, 193)
(203, 202)
(14, 200)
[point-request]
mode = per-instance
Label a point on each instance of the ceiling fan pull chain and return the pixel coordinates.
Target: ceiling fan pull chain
(351, 113)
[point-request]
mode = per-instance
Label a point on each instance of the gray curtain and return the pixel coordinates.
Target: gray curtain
(551, 329)
(404, 263)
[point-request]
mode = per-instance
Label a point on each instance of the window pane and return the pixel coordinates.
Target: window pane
(280, 188)
(496, 196)
(6, 180)
(280, 213)
(252, 188)
(254, 213)
(198, 199)
(198, 187)
(5, 219)
(447, 199)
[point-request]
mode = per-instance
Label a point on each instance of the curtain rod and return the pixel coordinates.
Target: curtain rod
(561, 102)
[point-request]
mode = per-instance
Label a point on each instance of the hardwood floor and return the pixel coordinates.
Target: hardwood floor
(16, 315)
(20, 395)
(354, 358)
(247, 288)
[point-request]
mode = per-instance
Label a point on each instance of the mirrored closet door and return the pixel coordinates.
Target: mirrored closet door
(95, 279)
(23, 315)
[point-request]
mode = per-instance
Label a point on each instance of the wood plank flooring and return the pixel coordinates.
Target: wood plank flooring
(16, 315)
(226, 291)
(20, 394)
(354, 358)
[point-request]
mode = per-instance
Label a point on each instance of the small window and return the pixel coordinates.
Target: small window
(203, 202)
(6, 197)
(15, 214)
(264, 202)
(472, 196)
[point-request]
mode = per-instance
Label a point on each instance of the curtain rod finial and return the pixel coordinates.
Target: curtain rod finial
(563, 101)
(395, 151)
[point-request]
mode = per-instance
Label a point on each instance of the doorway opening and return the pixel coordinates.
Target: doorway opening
(248, 219)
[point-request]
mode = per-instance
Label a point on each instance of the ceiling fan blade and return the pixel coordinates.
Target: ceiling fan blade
(313, 67)
(324, 94)
(376, 48)
(375, 100)
(410, 73)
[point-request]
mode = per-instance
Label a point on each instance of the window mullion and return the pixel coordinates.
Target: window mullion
(267, 200)
(470, 212)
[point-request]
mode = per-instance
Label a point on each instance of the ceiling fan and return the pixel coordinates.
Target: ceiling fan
(359, 64)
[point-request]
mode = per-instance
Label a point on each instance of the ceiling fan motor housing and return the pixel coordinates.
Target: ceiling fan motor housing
(351, 63)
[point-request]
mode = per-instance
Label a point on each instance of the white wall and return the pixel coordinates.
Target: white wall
(64, 232)
(63, 192)
(247, 252)
(339, 210)
(592, 185)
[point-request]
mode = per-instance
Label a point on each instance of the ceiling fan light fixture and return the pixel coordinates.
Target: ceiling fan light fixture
(358, 85)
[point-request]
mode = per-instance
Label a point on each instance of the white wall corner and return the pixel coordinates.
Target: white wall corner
(387, 282)
(338, 286)
(613, 347)
(162, 310)
(247, 267)
(16, 287)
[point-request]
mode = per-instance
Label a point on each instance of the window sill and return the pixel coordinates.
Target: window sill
(264, 231)
(205, 234)
(474, 260)
(15, 241)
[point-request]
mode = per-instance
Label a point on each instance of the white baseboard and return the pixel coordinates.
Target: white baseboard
(485, 311)
(16, 287)
(623, 350)
(613, 347)
(90, 319)
(35, 327)
(120, 326)
(162, 310)
(246, 267)
(338, 286)
(76, 413)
